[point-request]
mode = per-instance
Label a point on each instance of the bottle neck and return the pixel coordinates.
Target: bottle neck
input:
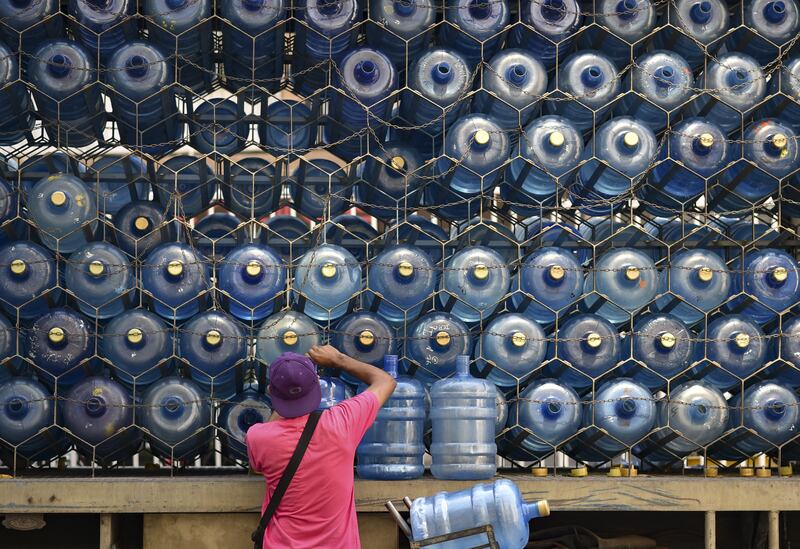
(534, 510)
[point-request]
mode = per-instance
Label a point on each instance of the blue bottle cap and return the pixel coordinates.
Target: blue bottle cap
(405, 8)
(737, 78)
(664, 76)
(480, 9)
(136, 66)
(177, 4)
(517, 75)
(627, 9)
(366, 72)
(774, 409)
(59, 65)
(172, 407)
(551, 409)
(592, 76)
(625, 407)
(701, 12)
(775, 12)
(554, 10)
(95, 406)
(329, 7)
(442, 73)
(17, 407)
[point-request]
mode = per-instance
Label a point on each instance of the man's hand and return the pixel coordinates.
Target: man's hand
(326, 356)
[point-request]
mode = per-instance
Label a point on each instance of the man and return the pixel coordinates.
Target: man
(318, 509)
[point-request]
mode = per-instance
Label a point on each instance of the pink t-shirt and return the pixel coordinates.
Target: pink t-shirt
(318, 510)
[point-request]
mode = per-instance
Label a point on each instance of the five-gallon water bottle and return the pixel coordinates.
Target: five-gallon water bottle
(499, 504)
(61, 344)
(216, 235)
(213, 344)
(628, 20)
(29, 23)
(514, 82)
(664, 347)
(286, 331)
(11, 345)
(735, 348)
(402, 277)
(183, 27)
(770, 276)
(544, 164)
(288, 127)
(143, 98)
(184, 185)
(772, 147)
(695, 151)
(64, 210)
(434, 342)
(698, 24)
(103, 26)
(553, 280)
(775, 22)
(141, 226)
(694, 415)
(699, 281)
(176, 416)
(623, 413)
(218, 125)
(421, 232)
(623, 281)
(329, 33)
(16, 113)
(27, 411)
(118, 180)
(334, 391)
(512, 346)
(477, 278)
(236, 416)
(251, 186)
(98, 413)
(325, 280)
(662, 82)
(501, 411)
(366, 79)
(37, 166)
(553, 23)
(64, 82)
(102, 279)
(483, 231)
(392, 448)
(251, 277)
(784, 345)
(353, 233)
(586, 346)
(462, 415)
(289, 235)
(586, 85)
(769, 411)
(177, 279)
(410, 25)
(390, 181)
(365, 337)
(546, 414)
(320, 187)
(786, 81)
(138, 346)
(620, 153)
(475, 28)
(27, 280)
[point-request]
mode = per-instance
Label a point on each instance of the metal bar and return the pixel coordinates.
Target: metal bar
(711, 530)
(774, 536)
(401, 522)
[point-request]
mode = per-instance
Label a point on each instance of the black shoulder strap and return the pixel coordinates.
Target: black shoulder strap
(286, 478)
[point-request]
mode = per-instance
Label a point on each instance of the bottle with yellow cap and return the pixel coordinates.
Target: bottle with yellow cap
(37, 166)
(177, 279)
(250, 278)
(697, 28)
(185, 183)
(585, 347)
(697, 150)
(236, 416)
(774, 23)
(251, 186)
(325, 279)
(499, 504)
(548, 153)
(27, 280)
(548, 29)
(735, 348)
(512, 346)
(286, 331)
(477, 278)
(212, 345)
(770, 145)
(549, 280)
(433, 344)
(118, 180)
(662, 347)
(622, 283)
(391, 180)
(102, 279)
(364, 336)
(696, 282)
(61, 345)
(320, 187)
(770, 275)
(64, 211)
(140, 226)
(402, 277)
(355, 234)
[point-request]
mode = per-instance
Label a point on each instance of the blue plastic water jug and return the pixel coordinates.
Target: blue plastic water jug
(785, 346)
(547, 30)
(11, 346)
(289, 235)
(327, 277)
(392, 448)
(699, 281)
(138, 346)
(27, 280)
(177, 280)
(141, 226)
(625, 281)
(734, 349)
(118, 180)
(64, 211)
(251, 186)
(320, 187)
(29, 23)
(463, 414)
(410, 26)
(288, 128)
(770, 276)
(403, 277)
(390, 181)
(475, 28)
(35, 167)
(176, 418)
(353, 233)
(434, 342)
(102, 279)
(365, 337)
(236, 417)
(512, 347)
(420, 232)
(11, 225)
(786, 81)
(483, 231)
(628, 20)
(63, 78)
(698, 25)
(664, 347)
(553, 280)
(16, 116)
(184, 185)
(61, 344)
(499, 504)
(103, 26)
(286, 331)
(334, 391)
(251, 277)
(215, 235)
(218, 125)
(586, 86)
(98, 413)
(476, 279)
(775, 22)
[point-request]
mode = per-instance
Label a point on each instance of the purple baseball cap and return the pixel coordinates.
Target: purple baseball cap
(294, 385)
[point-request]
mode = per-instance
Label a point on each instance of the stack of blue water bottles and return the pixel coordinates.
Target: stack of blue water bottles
(567, 228)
